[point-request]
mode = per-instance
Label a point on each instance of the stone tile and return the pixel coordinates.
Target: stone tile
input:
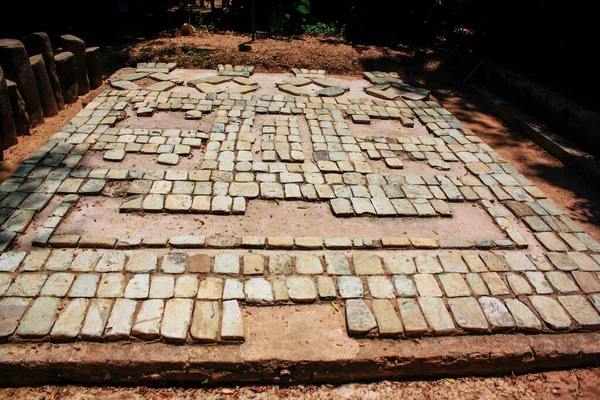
(518, 284)
(495, 283)
(551, 312)
(427, 285)
(437, 315)
(350, 287)
(138, 287)
(10, 261)
(494, 262)
(309, 242)
(232, 326)
(210, 289)
(551, 241)
(27, 285)
(142, 262)
(85, 285)
(587, 281)
(96, 318)
(453, 262)
(326, 287)
(176, 319)
(341, 207)
(519, 262)
(280, 290)
(308, 265)
(233, 290)
(412, 317)
(111, 285)
(496, 313)
(301, 289)
(561, 282)
(468, 314)
(539, 282)
(5, 282)
(380, 287)
(337, 264)
(227, 264)
(367, 264)
(206, 321)
(35, 260)
(388, 322)
(85, 261)
(59, 260)
(281, 242)
(280, 264)
(40, 317)
(581, 311)
(362, 206)
(70, 321)
(174, 263)
(162, 286)
(399, 264)
(427, 264)
(524, 318)
(359, 319)
(147, 323)
(197, 263)
(11, 311)
(258, 290)
(405, 287)
(585, 262)
(454, 285)
(120, 321)
(111, 261)
(58, 284)
(254, 264)
(186, 286)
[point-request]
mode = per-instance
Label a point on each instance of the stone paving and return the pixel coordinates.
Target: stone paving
(373, 150)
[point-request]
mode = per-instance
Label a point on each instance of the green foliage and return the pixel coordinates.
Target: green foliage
(322, 29)
(303, 7)
(288, 17)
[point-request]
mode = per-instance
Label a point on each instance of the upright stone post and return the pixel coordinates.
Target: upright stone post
(39, 43)
(77, 47)
(67, 74)
(15, 62)
(44, 87)
(8, 131)
(94, 66)
(19, 111)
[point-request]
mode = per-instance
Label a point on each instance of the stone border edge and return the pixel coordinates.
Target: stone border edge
(158, 364)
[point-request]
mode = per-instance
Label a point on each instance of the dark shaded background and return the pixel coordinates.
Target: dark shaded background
(551, 42)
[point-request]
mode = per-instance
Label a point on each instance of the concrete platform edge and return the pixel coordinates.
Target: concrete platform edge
(156, 364)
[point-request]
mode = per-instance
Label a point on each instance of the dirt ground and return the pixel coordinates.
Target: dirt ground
(574, 384)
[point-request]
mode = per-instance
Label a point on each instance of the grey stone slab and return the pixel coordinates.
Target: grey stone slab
(581, 311)
(85, 261)
(161, 286)
(96, 318)
(120, 321)
(58, 284)
(206, 321)
(142, 262)
(10, 261)
(437, 315)
(186, 286)
(525, 319)
(539, 282)
(27, 285)
(496, 313)
(452, 262)
(468, 314)
(85, 285)
(148, 320)
(280, 264)
(233, 290)
(111, 261)
(350, 287)
(367, 264)
(326, 287)
(388, 322)
(308, 265)
(70, 321)
(427, 285)
(428, 264)
(176, 319)
(562, 282)
(495, 283)
(174, 263)
(412, 317)
(359, 319)
(40, 317)
(11, 311)
(258, 290)
(35, 260)
(380, 287)
(210, 289)
(518, 284)
(405, 287)
(551, 312)
(227, 264)
(138, 287)
(111, 285)
(454, 285)
(301, 289)
(337, 264)
(232, 325)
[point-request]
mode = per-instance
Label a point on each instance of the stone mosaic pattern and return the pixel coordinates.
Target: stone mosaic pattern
(73, 287)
